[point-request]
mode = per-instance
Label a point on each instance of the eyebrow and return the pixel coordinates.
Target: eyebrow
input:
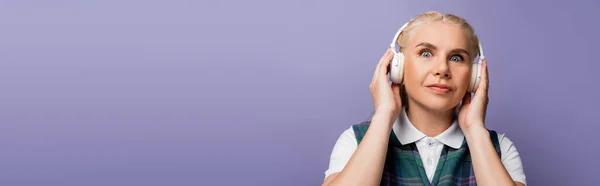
(429, 45)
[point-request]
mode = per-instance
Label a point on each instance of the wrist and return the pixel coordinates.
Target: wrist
(476, 131)
(387, 111)
(384, 116)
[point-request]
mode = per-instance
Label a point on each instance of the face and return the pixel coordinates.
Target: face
(437, 66)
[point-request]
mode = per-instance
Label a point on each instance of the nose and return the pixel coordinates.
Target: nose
(444, 75)
(442, 70)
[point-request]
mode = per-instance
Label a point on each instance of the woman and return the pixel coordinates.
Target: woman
(438, 140)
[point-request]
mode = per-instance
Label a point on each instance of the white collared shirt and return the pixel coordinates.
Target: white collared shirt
(430, 148)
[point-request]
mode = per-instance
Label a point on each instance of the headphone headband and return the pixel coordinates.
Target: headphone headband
(393, 44)
(395, 39)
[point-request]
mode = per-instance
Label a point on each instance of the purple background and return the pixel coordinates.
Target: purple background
(145, 92)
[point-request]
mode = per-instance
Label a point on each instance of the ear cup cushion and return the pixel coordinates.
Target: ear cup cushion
(397, 68)
(475, 77)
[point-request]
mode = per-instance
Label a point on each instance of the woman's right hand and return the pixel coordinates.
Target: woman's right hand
(386, 97)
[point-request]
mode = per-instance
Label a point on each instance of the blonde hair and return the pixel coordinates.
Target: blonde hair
(433, 16)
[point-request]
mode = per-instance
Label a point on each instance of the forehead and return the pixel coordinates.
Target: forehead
(442, 35)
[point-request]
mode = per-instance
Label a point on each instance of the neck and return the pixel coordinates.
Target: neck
(429, 122)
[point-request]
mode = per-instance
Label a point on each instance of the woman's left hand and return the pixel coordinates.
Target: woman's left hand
(471, 114)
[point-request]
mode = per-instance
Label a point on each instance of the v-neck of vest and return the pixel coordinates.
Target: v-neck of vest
(416, 157)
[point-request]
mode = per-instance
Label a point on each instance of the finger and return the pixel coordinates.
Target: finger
(378, 67)
(487, 77)
(482, 91)
(385, 63)
(397, 97)
(483, 84)
(381, 76)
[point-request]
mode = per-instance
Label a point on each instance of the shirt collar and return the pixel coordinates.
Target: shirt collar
(407, 133)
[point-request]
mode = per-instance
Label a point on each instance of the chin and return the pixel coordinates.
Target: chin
(439, 105)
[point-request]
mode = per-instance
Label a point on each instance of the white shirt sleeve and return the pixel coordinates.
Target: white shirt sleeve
(342, 151)
(511, 159)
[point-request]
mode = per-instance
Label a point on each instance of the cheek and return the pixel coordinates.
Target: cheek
(462, 77)
(415, 75)
(415, 72)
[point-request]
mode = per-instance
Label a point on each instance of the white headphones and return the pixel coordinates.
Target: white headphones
(397, 66)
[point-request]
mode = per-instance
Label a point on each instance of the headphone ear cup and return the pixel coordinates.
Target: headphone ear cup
(397, 68)
(475, 77)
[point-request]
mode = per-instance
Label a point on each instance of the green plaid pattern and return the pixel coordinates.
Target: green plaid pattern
(403, 165)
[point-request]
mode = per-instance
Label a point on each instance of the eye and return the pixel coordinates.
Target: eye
(426, 54)
(456, 58)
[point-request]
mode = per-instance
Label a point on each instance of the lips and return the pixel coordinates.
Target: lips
(439, 88)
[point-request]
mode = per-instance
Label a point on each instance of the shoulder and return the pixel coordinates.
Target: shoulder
(506, 144)
(359, 130)
(363, 126)
(347, 139)
(342, 151)
(511, 158)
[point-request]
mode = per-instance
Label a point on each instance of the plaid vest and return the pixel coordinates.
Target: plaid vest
(403, 165)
